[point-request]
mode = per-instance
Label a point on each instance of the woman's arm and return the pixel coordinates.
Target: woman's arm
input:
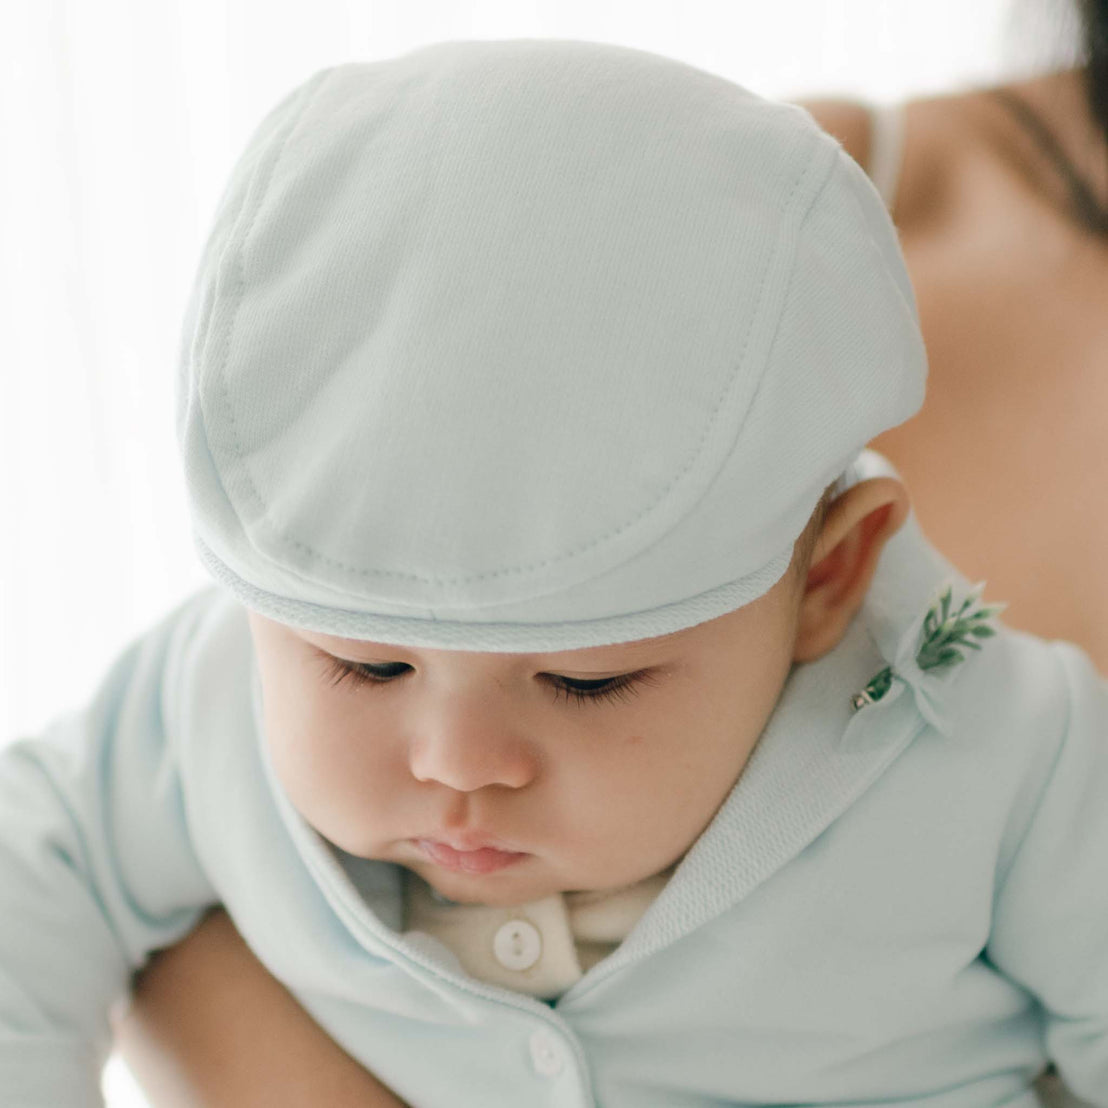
(210, 1028)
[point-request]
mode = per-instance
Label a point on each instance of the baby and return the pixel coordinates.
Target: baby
(582, 719)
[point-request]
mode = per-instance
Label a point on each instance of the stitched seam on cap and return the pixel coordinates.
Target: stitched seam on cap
(503, 634)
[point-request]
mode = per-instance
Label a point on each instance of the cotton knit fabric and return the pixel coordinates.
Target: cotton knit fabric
(532, 345)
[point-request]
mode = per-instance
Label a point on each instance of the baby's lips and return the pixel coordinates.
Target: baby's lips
(484, 859)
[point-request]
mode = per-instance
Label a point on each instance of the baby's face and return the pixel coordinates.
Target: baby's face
(503, 778)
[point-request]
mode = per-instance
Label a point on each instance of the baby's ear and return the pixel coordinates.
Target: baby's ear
(854, 532)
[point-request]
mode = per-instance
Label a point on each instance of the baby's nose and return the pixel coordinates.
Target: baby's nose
(470, 751)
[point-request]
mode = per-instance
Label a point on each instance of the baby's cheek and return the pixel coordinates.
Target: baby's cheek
(336, 776)
(294, 762)
(306, 749)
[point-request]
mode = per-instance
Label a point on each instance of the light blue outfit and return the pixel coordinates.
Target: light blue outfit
(880, 914)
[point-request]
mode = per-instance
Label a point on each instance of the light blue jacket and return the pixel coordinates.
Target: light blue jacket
(881, 913)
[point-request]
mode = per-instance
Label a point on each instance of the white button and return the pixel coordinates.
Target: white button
(545, 1054)
(517, 945)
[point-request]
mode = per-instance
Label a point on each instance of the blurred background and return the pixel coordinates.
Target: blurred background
(120, 120)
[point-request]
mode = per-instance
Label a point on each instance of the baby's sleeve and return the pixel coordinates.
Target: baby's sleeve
(96, 871)
(1050, 918)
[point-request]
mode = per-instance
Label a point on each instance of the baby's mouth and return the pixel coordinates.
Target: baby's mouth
(484, 859)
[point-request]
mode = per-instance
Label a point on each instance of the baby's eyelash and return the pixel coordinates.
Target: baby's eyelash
(622, 687)
(339, 670)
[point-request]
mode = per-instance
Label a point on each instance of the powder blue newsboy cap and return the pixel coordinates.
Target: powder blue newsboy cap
(532, 345)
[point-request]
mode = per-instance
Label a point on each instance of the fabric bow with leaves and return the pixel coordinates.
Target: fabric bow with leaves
(933, 644)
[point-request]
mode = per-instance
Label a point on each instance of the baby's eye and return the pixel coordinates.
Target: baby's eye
(362, 673)
(622, 687)
(580, 689)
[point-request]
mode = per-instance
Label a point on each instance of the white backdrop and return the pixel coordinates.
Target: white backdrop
(120, 120)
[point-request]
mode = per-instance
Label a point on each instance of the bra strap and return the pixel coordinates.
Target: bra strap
(886, 149)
